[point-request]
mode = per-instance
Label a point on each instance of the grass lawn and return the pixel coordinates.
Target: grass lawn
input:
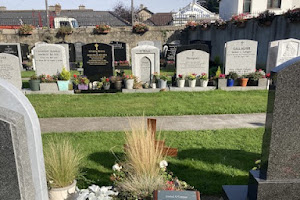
(206, 159)
(27, 74)
(156, 104)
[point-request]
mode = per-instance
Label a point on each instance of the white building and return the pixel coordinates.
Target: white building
(193, 12)
(254, 7)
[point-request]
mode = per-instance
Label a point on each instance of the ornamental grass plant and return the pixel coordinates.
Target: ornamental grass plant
(62, 162)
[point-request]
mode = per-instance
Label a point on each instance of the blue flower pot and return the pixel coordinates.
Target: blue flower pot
(230, 82)
(63, 85)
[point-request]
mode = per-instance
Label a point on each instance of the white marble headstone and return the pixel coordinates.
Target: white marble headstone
(192, 61)
(10, 70)
(240, 56)
(49, 59)
(66, 46)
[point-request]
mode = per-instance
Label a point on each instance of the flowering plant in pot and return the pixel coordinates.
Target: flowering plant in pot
(63, 80)
(34, 83)
(106, 83)
(180, 81)
(102, 29)
(203, 80)
(48, 79)
(220, 24)
(129, 80)
(255, 76)
(240, 20)
(265, 18)
(140, 28)
(25, 29)
(192, 25)
(192, 79)
(244, 80)
(231, 77)
(293, 15)
(204, 24)
(162, 81)
(82, 82)
(62, 164)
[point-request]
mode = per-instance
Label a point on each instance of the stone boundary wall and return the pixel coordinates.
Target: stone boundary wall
(280, 29)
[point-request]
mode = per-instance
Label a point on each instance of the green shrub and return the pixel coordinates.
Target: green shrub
(64, 75)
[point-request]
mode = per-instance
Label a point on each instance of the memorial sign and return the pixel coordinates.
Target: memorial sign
(171, 195)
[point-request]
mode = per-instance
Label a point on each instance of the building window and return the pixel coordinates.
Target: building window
(274, 3)
(247, 6)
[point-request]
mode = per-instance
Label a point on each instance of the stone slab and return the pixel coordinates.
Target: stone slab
(10, 69)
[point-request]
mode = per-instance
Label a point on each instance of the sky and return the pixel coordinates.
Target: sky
(153, 5)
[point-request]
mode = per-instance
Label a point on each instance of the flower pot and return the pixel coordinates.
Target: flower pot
(63, 85)
(192, 83)
(230, 82)
(243, 82)
(153, 85)
(129, 84)
(180, 83)
(203, 83)
(106, 86)
(62, 193)
(34, 85)
(162, 84)
(83, 87)
(118, 85)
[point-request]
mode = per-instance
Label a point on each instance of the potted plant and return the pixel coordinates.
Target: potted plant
(204, 24)
(255, 77)
(192, 25)
(243, 80)
(180, 81)
(220, 24)
(118, 83)
(62, 164)
(192, 80)
(34, 83)
(231, 77)
(203, 80)
(48, 83)
(222, 82)
(162, 81)
(65, 30)
(240, 20)
(293, 16)
(265, 18)
(106, 83)
(82, 82)
(140, 28)
(25, 29)
(63, 80)
(102, 29)
(129, 80)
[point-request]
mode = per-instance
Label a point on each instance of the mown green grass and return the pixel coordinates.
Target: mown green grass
(206, 159)
(27, 74)
(155, 104)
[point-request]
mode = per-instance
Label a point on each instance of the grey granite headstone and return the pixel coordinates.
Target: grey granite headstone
(13, 49)
(10, 70)
(49, 59)
(240, 56)
(158, 44)
(192, 61)
(67, 54)
(139, 56)
(78, 51)
(279, 176)
(146, 42)
(22, 170)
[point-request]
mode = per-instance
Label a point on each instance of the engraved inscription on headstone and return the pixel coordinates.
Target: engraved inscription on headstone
(287, 50)
(13, 49)
(146, 70)
(120, 50)
(10, 70)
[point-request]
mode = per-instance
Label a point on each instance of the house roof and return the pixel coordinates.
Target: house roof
(145, 9)
(161, 19)
(86, 17)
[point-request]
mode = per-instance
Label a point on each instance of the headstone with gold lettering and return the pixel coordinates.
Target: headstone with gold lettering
(98, 60)
(240, 56)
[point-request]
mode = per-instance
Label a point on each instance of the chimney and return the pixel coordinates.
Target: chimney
(142, 6)
(81, 7)
(51, 8)
(57, 9)
(2, 8)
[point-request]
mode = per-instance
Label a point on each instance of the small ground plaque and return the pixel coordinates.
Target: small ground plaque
(167, 194)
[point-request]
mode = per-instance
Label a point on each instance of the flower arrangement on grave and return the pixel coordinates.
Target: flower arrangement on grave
(105, 81)
(164, 77)
(192, 76)
(265, 18)
(258, 74)
(220, 24)
(222, 76)
(180, 77)
(25, 29)
(203, 76)
(192, 25)
(102, 29)
(240, 20)
(293, 15)
(34, 83)
(127, 77)
(171, 62)
(48, 79)
(122, 63)
(244, 80)
(268, 75)
(83, 80)
(65, 30)
(65, 75)
(232, 76)
(140, 28)
(204, 24)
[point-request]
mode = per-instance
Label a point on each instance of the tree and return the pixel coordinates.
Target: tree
(211, 5)
(123, 11)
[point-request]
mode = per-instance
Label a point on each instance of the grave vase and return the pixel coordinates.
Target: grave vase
(62, 193)
(63, 85)
(129, 84)
(180, 83)
(162, 83)
(203, 83)
(118, 85)
(83, 87)
(106, 86)
(34, 85)
(230, 82)
(153, 85)
(192, 83)
(243, 82)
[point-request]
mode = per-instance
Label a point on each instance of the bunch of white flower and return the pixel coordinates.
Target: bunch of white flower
(94, 192)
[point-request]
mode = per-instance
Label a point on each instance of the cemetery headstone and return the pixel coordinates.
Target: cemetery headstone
(22, 170)
(24, 51)
(146, 42)
(202, 47)
(49, 59)
(208, 43)
(169, 52)
(145, 62)
(67, 54)
(158, 44)
(14, 49)
(279, 175)
(98, 61)
(240, 56)
(78, 51)
(120, 50)
(192, 61)
(10, 70)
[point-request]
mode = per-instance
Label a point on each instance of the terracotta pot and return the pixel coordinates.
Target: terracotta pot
(243, 82)
(62, 193)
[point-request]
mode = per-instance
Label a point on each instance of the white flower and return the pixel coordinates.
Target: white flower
(117, 167)
(163, 164)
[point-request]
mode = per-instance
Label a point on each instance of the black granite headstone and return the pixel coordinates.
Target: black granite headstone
(72, 55)
(98, 60)
(202, 47)
(119, 50)
(24, 51)
(10, 49)
(279, 176)
(208, 43)
(169, 51)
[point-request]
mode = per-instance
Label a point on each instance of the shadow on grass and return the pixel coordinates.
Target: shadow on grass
(106, 159)
(93, 176)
